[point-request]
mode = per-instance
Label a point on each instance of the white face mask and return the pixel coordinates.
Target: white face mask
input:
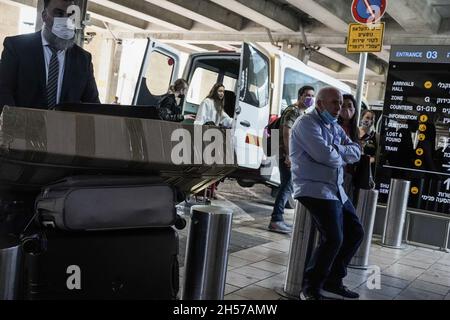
(63, 28)
(366, 123)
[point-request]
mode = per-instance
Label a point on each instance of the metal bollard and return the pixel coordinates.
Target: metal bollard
(366, 211)
(396, 213)
(10, 267)
(207, 253)
(302, 243)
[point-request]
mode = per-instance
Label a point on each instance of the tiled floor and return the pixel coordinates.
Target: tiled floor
(258, 272)
(404, 276)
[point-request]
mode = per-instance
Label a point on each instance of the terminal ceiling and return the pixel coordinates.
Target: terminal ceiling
(320, 26)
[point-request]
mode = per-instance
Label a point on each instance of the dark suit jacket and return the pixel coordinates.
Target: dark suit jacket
(23, 76)
(169, 110)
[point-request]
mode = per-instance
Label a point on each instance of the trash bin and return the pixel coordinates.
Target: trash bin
(207, 253)
(303, 241)
(396, 214)
(366, 211)
(10, 267)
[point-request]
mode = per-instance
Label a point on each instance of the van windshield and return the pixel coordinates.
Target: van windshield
(205, 73)
(255, 75)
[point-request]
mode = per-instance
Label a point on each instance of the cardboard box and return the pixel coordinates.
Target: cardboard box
(38, 147)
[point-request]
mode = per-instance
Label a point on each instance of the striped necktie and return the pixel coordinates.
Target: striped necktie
(52, 79)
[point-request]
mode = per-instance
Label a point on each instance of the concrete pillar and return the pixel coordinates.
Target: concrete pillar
(9, 23)
(113, 81)
(97, 47)
(80, 34)
(39, 9)
(375, 91)
(106, 57)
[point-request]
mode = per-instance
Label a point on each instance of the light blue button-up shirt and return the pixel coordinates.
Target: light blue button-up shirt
(319, 153)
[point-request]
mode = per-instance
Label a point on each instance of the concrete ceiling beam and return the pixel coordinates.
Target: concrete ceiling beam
(204, 12)
(148, 12)
(265, 13)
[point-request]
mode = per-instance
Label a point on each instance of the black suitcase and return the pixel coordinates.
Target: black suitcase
(122, 264)
(83, 203)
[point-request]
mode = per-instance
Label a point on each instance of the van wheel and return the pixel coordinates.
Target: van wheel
(245, 183)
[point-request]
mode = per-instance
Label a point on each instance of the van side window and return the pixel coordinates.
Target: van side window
(293, 80)
(229, 83)
(201, 83)
(162, 66)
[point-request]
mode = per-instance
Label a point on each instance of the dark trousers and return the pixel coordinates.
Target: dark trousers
(341, 234)
(284, 191)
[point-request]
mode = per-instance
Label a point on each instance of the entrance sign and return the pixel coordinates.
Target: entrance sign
(415, 128)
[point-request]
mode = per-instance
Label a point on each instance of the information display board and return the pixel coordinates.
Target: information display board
(415, 127)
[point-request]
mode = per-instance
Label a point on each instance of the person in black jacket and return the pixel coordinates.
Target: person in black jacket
(171, 106)
(41, 70)
(368, 136)
(46, 68)
(349, 122)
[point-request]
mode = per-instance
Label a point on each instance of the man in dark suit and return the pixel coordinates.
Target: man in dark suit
(41, 70)
(46, 68)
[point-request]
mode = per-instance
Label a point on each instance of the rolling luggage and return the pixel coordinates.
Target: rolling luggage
(84, 203)
(111, 265)
(103, 237)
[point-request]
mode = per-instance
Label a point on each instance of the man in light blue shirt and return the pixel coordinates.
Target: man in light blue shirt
(319, 151)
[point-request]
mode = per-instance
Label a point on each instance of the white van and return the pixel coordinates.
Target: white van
(259, 85)
(289, 75)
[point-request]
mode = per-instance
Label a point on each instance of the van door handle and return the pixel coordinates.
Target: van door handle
(245, 124)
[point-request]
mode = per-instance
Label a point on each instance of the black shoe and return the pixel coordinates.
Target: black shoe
(341, 291)
(313, 294)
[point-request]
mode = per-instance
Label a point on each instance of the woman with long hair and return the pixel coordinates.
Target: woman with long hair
(211, 110)
(171, 106)
(347, 120)
(368, 141)
(347, 117)
(367, 134)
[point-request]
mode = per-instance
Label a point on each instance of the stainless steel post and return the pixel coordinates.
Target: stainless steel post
(361, 79)
(10, 267)
(407, 226)
(446, 237)
(366, 211)
(396, 213)
(207, 253)
(302, 244)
